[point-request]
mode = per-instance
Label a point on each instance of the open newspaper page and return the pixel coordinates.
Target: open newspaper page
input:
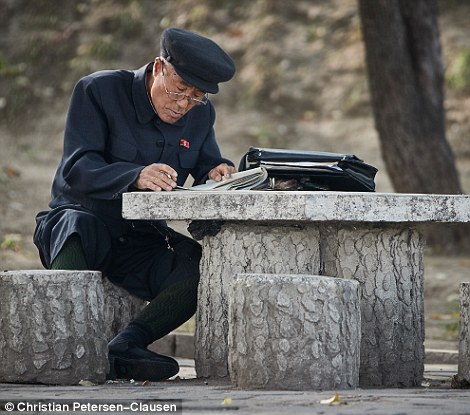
(243, 180)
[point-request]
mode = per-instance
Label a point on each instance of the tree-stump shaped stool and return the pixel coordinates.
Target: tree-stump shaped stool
(52, 327)
(464, 340)
(294, 332)
(120, 307)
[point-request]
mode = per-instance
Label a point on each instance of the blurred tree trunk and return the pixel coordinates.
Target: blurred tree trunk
(404, 64)
(406, 85)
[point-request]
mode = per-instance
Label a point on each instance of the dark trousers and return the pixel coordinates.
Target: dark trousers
(143, 257)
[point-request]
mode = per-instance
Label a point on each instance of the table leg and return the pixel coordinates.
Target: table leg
(385, 259)
(244, 248)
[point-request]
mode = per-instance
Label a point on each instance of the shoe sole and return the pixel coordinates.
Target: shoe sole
(141, 369)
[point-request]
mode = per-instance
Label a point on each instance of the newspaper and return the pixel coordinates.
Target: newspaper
(243, 180)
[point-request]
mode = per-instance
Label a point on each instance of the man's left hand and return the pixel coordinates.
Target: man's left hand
(222, 171)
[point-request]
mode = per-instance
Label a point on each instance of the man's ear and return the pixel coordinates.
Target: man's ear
(157, 66)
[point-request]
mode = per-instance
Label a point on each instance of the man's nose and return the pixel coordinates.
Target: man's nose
(184, 104)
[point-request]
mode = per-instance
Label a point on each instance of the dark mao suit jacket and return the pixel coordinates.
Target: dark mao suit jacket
(111, 134)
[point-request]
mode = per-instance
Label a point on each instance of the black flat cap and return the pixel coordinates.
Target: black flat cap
(198, 60)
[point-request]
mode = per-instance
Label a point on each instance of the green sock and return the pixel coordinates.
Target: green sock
(171, 308)
(71, 256)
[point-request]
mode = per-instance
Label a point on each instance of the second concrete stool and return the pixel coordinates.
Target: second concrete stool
(294, 332)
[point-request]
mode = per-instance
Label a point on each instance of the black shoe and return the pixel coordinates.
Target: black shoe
(130, 361)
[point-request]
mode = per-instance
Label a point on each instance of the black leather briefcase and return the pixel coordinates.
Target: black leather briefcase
(313, 170)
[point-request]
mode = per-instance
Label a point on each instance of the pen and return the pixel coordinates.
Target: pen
(164, 172)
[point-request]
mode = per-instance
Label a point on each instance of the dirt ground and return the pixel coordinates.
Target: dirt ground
(30, 152)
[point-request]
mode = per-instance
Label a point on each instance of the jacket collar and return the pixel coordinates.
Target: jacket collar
(142, 105)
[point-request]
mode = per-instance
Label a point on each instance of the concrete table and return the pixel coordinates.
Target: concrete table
(369, 237)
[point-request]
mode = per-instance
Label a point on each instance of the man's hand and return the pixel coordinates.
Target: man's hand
(156, 177)
(222, 171)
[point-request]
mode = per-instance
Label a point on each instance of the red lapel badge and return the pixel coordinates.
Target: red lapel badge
(184, 143)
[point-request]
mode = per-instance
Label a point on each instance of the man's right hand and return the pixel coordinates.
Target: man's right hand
(157, 177)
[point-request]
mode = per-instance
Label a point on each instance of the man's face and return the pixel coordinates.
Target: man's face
(171, 96)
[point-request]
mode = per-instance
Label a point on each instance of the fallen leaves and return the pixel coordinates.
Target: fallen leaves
(334, 400)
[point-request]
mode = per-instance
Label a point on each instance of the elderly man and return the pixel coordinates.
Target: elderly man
(146, 129)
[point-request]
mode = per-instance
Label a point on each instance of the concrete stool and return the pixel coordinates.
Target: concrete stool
(120, 308)
(463, 373)
(52, 327)
(294, 332)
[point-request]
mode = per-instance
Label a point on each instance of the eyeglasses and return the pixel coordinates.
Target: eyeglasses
(178, 96)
